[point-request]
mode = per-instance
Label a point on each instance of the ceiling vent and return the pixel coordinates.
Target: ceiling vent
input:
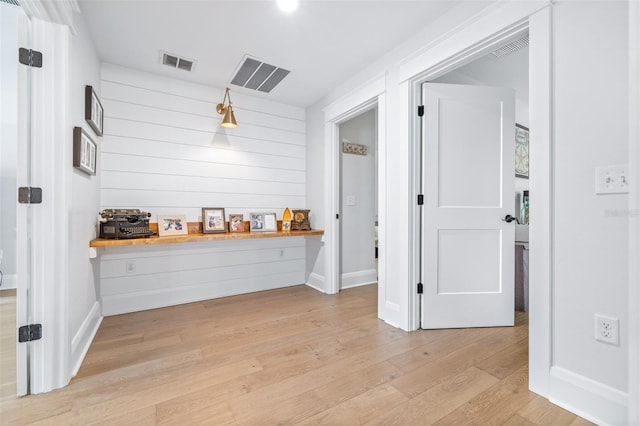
(257, 75)
(511, 47)
(175, 61)
(13, 2)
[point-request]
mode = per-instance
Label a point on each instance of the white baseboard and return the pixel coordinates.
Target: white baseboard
(8, 282)
(358, 278)
(83, 338)
(316, 282)
(587, 398)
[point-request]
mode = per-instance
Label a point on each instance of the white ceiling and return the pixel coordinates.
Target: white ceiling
(323, 43)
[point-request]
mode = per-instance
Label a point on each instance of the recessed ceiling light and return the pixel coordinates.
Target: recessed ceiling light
(288, 5)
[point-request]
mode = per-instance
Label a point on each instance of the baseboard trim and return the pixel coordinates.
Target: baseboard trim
(358, 278)
(316, 282)
(84, 337)
(587, 398)
(9, 282)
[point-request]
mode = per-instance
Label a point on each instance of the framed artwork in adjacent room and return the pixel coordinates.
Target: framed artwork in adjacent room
(213, 220)
(93, 112)
(236, 223)
(263, 222)
(522, 151)
(174, 224)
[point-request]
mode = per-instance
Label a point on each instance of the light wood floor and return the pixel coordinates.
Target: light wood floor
(7, 343)
(292, 356)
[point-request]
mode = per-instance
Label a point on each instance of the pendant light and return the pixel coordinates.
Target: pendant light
(229, 120)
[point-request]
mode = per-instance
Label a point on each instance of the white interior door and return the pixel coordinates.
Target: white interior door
(468, 185)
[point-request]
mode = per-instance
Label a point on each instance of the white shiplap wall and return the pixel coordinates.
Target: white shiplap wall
(164, 152)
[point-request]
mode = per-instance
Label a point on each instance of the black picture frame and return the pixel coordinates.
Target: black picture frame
(93, 111)
(85, 152)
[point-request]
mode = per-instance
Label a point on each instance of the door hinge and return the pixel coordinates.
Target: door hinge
(31, 58)
(420, 199)
(29, 195)
(337, 216)
(420, 288)
(420, 110)
(28, 333)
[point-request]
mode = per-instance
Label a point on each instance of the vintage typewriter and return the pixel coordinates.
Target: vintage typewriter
(124, 223)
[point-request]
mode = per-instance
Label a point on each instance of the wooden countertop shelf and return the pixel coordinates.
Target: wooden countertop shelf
(195, 235)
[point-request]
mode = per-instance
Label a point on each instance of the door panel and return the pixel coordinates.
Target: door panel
(468, 163)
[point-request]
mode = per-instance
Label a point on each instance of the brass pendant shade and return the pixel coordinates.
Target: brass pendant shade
(229, 119)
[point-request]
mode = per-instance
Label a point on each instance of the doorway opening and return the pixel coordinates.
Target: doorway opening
(506, 66)
(357, 139)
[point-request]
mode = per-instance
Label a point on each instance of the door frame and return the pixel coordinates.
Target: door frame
(367, 97)
(453, 55)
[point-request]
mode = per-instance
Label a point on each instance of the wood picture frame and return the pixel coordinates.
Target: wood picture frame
(213, 220)
(263, 222)
(522, 151)
(85, 151)
(93, 111)
(236, 223)
(172, 224)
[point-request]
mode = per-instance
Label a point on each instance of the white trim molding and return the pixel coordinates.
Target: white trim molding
(607, 406)
(358, 278)
(57, 12)
(83, 338)
(316, 282)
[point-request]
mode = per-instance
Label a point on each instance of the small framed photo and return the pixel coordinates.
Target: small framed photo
(175, 224)
(93, 112)
(85, 151)
(263, 222)
(213, 220)
(236, 223)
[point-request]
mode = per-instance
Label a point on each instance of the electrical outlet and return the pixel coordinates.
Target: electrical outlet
(130, 267)
(607, 329)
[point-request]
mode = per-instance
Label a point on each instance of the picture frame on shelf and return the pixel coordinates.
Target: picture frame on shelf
(213, 220)
(172, 224)
(93, 111)
(263, 222)
(85, 151)
(522, 151)
(236, 223)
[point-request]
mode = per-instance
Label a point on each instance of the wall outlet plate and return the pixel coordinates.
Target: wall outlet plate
(607, 329)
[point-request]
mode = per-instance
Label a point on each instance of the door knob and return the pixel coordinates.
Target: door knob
(508, 218)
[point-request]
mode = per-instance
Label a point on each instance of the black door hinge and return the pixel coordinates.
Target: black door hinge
(420, 199)
(420, 288)
(337, 216)
(28, 333)
(29, 195)
(29, 57)
(420, 110)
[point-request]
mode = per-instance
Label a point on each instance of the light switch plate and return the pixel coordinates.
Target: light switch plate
(612, 179)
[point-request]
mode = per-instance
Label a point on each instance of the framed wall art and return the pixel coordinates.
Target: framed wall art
(93, 112)
(263, 222)
(236, 223)
(85, 151)
(175, 224)
(213, 220)
(522, 151)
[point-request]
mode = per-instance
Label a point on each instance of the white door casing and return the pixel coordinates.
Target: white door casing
(468, 182)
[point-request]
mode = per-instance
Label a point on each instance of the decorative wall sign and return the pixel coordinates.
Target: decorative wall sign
(353, 148)
(213, 220)
(93, 112)
(522, 151)
(85, 151)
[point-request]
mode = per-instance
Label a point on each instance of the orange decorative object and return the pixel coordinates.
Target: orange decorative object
(286, 220)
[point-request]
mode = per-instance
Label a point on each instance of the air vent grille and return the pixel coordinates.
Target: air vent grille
(257, 75)
(175, 61)
(511, 47)
(13, 2)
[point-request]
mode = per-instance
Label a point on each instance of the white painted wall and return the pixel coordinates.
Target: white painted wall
(8, 142)
(164, 152)
(591, 231)
(357, 224)
(84, 310)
